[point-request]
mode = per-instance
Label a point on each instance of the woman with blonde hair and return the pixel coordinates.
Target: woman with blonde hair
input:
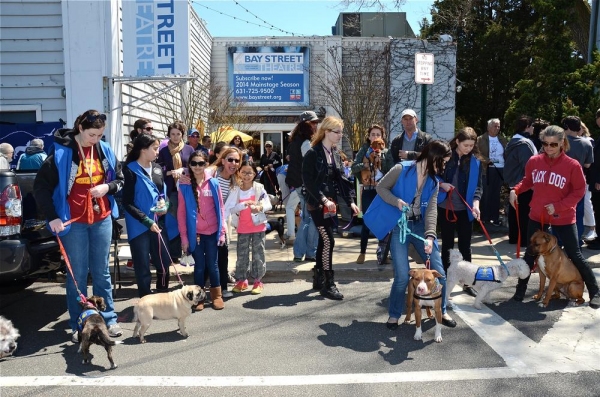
(322, 169)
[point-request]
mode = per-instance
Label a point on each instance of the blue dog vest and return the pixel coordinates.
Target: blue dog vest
(83, 316)
(485, 274)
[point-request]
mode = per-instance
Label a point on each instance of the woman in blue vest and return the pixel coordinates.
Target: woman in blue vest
(200, 217)
(145, 202)
(76, 183)
(461, 179)
(410, 184)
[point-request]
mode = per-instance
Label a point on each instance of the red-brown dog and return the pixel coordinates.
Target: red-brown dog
(372, 163)
(424, 289)
(558, 268)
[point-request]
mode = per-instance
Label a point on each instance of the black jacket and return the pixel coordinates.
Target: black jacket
(316, 180)
(294, 172)
(423, 140)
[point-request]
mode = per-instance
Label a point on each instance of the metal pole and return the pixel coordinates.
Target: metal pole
(423, 107)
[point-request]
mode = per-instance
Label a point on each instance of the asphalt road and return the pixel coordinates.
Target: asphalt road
(290, 341)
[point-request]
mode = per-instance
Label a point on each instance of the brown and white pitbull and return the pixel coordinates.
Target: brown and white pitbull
(424, 289)
(558, 268)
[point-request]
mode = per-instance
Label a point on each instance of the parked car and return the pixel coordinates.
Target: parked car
(28, 249)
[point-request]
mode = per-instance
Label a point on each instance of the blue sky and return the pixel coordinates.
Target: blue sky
(297, 17)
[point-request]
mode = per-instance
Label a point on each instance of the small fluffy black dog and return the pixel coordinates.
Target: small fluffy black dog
(91, 329)
(277, 226)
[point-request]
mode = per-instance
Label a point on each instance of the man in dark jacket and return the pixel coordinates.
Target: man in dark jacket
(517, 153)
(409, 144)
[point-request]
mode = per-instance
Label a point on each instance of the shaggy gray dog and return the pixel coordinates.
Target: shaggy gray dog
(8, 337)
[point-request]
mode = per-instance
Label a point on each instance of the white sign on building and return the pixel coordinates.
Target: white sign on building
(156, 38)
(424, 68)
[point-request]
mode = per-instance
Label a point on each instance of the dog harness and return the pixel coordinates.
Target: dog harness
(437, 289)
(485, 274)
(83, 316)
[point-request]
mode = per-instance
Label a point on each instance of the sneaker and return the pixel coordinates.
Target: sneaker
(296, 259)
(75, 337)
(227, 294)
(309, 259)
(257, 288)
(595, 301)
(590, 235)
(379, 254)
(114, 330)
(240, 286)
(230, 278)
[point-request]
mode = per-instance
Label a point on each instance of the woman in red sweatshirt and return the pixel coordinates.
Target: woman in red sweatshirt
(558, 185)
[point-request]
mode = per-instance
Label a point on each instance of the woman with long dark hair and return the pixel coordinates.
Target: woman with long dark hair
(201, 220)
(364, 162)
(146, 203)
(75, 188)
(462, 178)
(411, 188)
(322, 170)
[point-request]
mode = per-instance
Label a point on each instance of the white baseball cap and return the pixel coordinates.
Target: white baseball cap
(408, 112)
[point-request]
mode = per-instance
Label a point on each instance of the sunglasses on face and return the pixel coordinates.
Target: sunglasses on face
(268, 146)
(93, 117)
(336, 131)
(197, 163)
(551, 144)
(232, 160)
(148, 129)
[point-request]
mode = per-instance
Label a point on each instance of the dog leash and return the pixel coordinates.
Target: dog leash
(405, 231)
(90, 219)
(162, 240)
(487, 235)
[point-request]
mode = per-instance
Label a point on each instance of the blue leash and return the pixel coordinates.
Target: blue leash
(405, 231)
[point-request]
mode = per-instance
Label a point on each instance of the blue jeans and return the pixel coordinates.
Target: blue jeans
(88, 248)
(307, 236)
(401, 266)
(143, 247)
(206, 258)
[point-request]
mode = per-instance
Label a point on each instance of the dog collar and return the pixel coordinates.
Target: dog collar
(551, 250)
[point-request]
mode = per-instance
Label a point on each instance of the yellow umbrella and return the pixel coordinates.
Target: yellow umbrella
(226, 134)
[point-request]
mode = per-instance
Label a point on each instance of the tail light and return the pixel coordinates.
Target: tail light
(10, 210)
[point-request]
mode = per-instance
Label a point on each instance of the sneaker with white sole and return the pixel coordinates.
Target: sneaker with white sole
(115, 330)
(75, 337)
(590, 235)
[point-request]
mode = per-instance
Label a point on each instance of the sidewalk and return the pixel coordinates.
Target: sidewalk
(282, 268)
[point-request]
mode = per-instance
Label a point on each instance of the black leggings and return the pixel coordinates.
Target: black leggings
(463, 227)
(326, 240)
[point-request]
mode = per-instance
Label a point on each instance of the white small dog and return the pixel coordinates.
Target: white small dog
(8, 337)
(463, 272)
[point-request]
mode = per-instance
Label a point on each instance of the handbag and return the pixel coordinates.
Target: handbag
(259, 218)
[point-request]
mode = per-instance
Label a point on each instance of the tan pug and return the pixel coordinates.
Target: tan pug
(164, 306)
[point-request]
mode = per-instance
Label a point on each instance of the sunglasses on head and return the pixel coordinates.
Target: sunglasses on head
(232, 160)
(93, 117)
(197, 163)
(148, 128)
(551, 144)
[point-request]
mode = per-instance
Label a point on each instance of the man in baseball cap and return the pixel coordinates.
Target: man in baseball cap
(193, 138)
(409, 144)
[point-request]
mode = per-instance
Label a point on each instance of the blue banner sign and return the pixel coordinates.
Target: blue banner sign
(269, 76)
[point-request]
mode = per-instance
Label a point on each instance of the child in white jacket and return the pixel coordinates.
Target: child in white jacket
(247, 205)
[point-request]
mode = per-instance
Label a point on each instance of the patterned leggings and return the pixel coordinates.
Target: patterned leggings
(326, 240)
(245, 243)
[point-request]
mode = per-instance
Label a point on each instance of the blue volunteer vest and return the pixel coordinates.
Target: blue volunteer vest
(145, 197)
(191, 210)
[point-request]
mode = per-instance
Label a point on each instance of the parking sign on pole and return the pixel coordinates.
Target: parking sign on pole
(423, 68)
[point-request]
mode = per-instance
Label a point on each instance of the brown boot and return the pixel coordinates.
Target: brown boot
(199, 307)
(217, 298)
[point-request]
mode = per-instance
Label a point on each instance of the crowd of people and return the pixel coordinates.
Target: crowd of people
(183, 198)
